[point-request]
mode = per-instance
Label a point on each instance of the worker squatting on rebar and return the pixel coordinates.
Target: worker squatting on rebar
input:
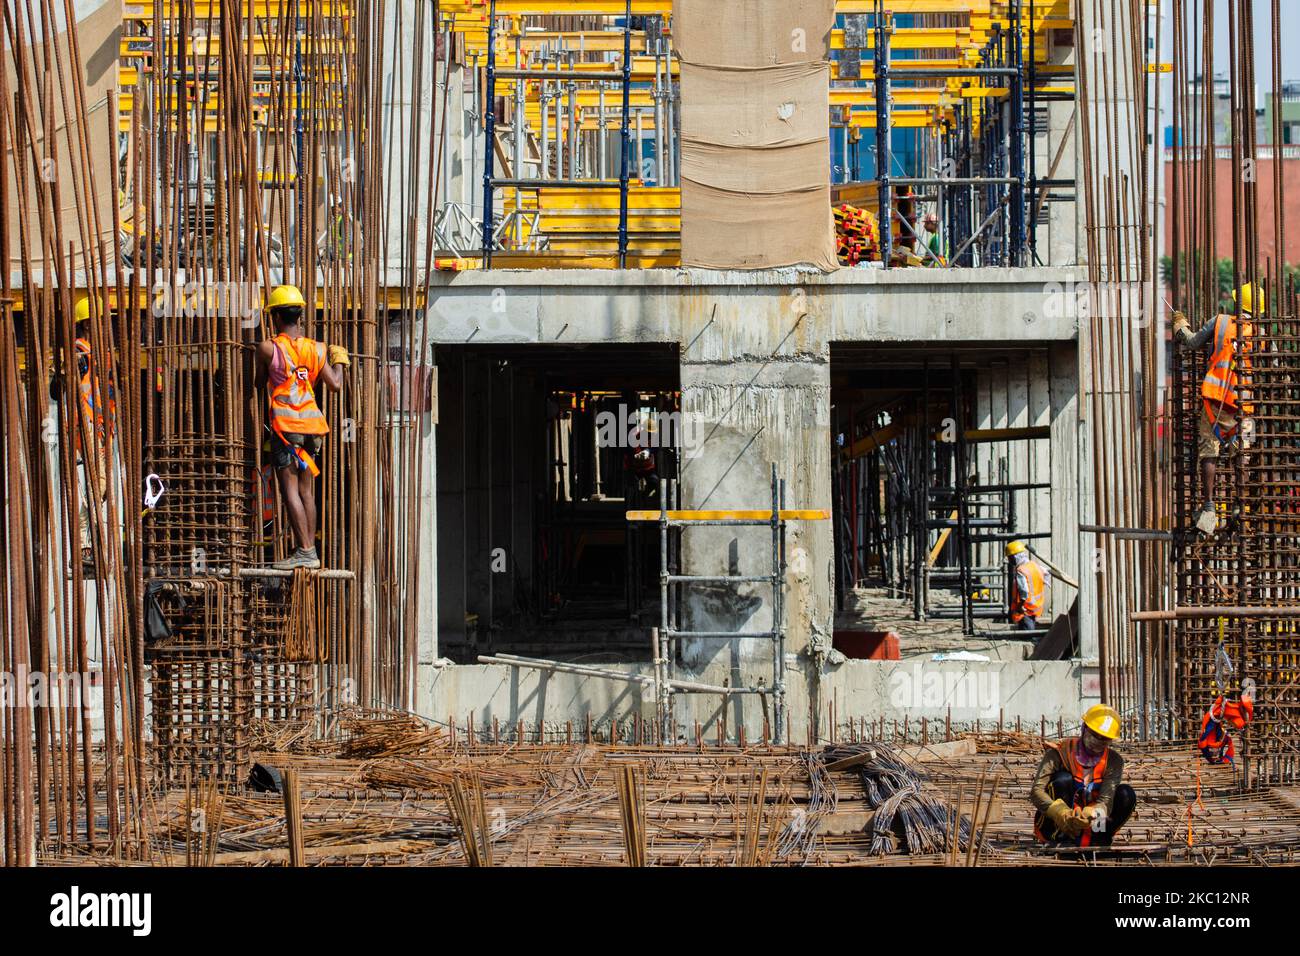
(1029, 588)
(1224, 391)
(290, 364)
(1078, 790)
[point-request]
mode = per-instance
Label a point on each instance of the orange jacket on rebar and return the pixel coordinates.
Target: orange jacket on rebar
(1216, 743)
(1031, 603)
(1222, 379)
(293, 401)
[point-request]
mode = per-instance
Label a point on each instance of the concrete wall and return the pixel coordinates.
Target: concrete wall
(855, 691)
(755, 380)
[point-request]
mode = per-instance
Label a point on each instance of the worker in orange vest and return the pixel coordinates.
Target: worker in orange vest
(1029, 585)
(290, 365)
(1078, 794)
(1215, 743)
(98, 414)
(1224, 391)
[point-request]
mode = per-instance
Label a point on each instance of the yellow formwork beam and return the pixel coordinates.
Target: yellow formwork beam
(786, 514)
(615, 8)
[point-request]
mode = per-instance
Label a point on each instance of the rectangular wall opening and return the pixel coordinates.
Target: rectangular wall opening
(941, 457)
(542, 450)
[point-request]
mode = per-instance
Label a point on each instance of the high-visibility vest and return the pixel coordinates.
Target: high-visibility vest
(99, 416)
(1221, 381)
(293, 402)
(1033, 605)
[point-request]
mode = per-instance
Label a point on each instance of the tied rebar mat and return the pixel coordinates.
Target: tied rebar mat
(1253, 559)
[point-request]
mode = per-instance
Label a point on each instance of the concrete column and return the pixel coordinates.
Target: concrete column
(406, 122)
(430, 569)
(755, 383)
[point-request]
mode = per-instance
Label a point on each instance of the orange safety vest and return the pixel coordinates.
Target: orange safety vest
(1033, 607)
(86, 394)
(1088, 778)
(1221, 381)
(293, 402)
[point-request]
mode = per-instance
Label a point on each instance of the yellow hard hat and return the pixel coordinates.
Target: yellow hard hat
(83, 308)
(285, 295)
(1014, 548)
(1102, 720)
(1245, 297)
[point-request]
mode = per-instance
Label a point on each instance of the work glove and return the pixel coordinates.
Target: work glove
(1057, 814)
(1076, 823)
(1182, 328)
(1095, 816)
(338, 355)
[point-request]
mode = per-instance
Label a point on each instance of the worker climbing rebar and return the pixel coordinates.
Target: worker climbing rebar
(98, 414)
(1030, 582)
(290, 364)
(1224, 390)
(1078, 794)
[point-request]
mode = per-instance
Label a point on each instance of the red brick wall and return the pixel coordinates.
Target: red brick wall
(1223, 174)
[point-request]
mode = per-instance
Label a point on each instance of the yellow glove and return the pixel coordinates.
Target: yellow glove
(1077, 822)
(1092, 813)
(1057, 813)
(338, 355)
(1181, 325)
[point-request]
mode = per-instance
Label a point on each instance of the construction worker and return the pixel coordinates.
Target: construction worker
(933, 241)
(1029, 583)
(1078, 791)
(290, 364)
(336, 243)
(1215, 743)
(1223, 392)
(98, 412)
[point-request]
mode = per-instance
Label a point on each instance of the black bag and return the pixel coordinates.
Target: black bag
(156, 628)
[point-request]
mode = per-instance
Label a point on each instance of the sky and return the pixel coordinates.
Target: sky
(1290, 13)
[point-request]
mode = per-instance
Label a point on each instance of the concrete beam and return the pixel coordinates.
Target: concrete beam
(675, 305)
